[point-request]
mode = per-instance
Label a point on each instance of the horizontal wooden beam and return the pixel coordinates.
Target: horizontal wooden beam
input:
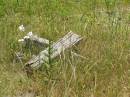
(34, 38)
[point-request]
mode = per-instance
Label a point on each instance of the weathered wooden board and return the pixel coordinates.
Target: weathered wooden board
(34, 38)
(66, 42)
(39, 40)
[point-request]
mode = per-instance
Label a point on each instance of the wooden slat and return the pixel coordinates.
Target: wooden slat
(39, 40)
(34, 38)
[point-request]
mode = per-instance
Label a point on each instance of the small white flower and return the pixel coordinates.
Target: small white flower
(26, 37)
(21, 40)
(29, 34)
(21, 28)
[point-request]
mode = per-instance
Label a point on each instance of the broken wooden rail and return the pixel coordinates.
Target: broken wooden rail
(34, 38)
(67, 41)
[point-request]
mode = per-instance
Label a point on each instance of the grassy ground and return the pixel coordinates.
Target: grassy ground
(105, 25)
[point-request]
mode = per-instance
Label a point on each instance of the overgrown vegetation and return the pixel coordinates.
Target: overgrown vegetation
(105, 26)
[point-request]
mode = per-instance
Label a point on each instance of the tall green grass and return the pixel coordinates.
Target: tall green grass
(104, 24)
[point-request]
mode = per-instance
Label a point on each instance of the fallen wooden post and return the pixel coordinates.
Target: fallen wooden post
(67, 41)
(34, 38)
